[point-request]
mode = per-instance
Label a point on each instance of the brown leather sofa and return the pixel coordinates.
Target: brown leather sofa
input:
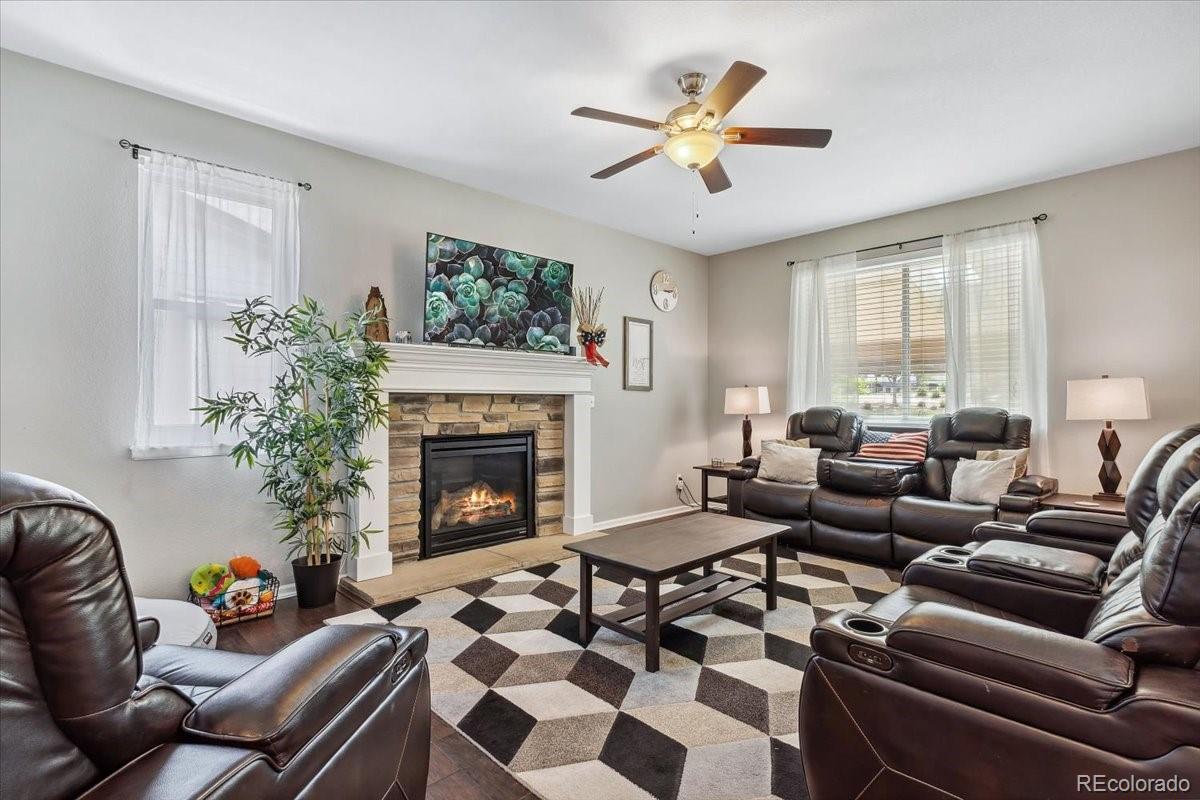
(1011, 669)
(92, 708)
(885, 511)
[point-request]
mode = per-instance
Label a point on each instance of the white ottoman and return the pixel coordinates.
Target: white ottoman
(179, 622)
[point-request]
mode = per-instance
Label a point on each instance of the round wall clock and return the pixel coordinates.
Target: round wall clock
(664, 291)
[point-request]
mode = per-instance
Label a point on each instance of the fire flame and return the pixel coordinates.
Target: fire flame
(484, 496)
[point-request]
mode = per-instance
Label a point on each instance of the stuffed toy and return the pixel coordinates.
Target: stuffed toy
(244, 566)
(209, 580)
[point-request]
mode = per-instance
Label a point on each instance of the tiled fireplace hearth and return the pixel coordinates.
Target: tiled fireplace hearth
(434, 424)
(442, 393)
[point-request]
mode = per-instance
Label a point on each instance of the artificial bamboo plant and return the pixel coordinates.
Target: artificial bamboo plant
(306, 433)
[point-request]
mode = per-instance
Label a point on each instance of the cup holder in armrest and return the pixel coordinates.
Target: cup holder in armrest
(947, 560)
(864, 625)
(956, 551)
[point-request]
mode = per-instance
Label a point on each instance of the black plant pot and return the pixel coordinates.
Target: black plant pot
(316, 584)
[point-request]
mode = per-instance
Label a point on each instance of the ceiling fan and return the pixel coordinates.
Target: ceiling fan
(695, 132)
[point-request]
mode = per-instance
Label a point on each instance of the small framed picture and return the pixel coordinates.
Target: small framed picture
(639, 355)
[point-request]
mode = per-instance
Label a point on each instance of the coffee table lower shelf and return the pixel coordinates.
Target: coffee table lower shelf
(676, 603)
(656, 611)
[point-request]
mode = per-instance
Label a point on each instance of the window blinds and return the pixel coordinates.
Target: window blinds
(892, 308)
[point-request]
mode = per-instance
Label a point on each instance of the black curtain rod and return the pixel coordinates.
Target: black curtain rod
(135, 147)
(1036, 219)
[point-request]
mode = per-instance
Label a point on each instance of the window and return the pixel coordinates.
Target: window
(896, 369)
(209, 237)
(954, 321)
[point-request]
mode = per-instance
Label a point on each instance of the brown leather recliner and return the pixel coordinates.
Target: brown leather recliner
(342, 712)
(930, 693)
(1050, 567)
(837, 432)
(1106, 536)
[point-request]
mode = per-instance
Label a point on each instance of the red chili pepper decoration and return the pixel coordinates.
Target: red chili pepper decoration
(591, 351)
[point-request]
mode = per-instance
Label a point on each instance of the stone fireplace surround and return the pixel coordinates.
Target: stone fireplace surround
(448, 378)
(412, 416)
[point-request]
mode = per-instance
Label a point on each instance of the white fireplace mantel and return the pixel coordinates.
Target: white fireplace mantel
(419, 368)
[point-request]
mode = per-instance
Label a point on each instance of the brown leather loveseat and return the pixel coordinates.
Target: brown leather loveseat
(92, 708)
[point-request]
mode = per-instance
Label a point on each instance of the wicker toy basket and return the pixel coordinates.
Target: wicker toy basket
(244, 600)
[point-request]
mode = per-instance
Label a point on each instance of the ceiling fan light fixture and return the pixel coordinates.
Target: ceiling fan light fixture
(694, 149)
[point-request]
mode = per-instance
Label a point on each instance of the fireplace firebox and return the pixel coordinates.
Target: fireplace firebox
(476, 490)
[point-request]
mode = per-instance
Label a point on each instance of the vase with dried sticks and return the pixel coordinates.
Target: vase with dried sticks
(590, 331)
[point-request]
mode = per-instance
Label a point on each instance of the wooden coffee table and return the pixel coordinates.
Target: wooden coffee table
(664, 549)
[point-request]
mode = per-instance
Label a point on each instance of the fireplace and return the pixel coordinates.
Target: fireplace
(476, 490)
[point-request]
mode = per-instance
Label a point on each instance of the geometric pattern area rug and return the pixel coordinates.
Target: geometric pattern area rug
(718, 721)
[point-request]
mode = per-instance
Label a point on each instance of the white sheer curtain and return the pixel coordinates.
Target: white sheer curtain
(209, 238)
(996, 326)
(821, 330)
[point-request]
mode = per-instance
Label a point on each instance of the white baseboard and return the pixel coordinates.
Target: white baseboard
(368, 565)
(580, 524)
(287, 590)
(645, 516)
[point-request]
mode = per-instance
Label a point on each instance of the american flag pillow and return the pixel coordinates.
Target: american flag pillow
(900, 447)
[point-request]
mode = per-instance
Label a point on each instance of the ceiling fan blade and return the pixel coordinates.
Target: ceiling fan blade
(782, 137)
(621, 166)
(620, 119)
(733, 86)
(714, 177)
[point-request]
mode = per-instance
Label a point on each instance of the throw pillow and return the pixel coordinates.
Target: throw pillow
(788, 442)
(787, 464)
(977, 481)
(899, 447)
(1021, 456)
(875, 437)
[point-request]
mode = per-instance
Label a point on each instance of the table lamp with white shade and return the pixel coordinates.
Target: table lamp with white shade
(747, 400)
(1107, 399)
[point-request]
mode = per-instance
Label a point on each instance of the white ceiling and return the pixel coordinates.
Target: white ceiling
(928, 102)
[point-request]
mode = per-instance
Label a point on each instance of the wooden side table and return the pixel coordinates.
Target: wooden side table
(1083, 502)
(710, 470)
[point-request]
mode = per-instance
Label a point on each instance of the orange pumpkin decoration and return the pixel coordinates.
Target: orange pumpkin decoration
(244, 566)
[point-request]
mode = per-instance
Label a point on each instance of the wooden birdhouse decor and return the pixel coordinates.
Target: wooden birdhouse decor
(377, 331)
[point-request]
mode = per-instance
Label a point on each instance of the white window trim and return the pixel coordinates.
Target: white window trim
(179, 451)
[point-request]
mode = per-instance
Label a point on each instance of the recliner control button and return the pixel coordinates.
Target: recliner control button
(869, 657)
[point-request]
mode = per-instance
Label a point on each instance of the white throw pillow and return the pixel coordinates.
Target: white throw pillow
(787, 464)
(1021, 456)
(981, 481)
(787, 442)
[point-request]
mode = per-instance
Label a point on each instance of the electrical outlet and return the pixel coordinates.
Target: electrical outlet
(678, 482)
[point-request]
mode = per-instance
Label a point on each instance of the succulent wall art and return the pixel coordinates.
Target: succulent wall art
(491, 297)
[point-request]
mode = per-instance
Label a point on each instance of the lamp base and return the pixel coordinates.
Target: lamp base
(746, 449)
(1116, 497)
(1110, 476)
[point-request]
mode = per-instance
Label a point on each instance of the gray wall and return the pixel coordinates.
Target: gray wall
(1121, 257)
(68, 338)
(1121, 252)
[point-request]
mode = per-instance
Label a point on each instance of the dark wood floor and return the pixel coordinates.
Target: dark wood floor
(458, 770)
